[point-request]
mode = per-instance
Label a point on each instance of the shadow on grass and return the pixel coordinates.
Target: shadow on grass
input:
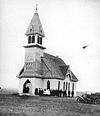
(22, 97)
(15, 94)
(25, 97)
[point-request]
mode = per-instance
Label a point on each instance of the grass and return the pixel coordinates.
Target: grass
(14, 105)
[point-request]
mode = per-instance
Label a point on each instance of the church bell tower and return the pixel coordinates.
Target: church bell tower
(34, 48)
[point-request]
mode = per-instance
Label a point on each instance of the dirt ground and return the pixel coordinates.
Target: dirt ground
(14, 105)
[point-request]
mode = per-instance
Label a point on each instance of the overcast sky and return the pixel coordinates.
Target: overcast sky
(68, 26)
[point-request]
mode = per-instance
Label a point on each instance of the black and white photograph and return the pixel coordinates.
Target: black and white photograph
(49, 57)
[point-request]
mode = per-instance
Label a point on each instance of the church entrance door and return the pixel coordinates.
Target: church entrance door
(27, 87)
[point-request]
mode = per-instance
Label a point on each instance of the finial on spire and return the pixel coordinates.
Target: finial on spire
(36, 6)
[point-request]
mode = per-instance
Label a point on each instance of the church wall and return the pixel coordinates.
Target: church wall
(53, 83)
(21, 82)
(42, 83)
(32, 54)
(20, 89)
(36, 83)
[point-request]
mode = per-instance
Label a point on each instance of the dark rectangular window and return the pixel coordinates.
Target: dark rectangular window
(29, 39)
(41, 40)
(33, 39)
(38, 40)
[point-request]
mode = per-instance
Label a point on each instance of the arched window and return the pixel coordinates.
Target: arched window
(73, 90)
(73, 87)
(48, 84)
(33, 39)
(29, 39)
(68, 86)
(68, 89)
(64, 86)
(59, 85)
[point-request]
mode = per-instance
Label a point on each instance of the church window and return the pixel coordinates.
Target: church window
(41, 40)
(33, 39)
(73, 90)
(69, 89)
(38, 39)
(73, 87)
(29, 39)
(30, 30)
(64, 86)
(48, 84)
(59, 85)
(68, 86)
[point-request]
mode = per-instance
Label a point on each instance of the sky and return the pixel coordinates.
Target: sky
(68, 25)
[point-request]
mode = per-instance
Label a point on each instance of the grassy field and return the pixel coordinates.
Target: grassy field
(14, 105)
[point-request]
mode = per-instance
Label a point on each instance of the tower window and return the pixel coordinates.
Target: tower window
(38, 39)
(29, 39)
(33, 39)
(41, 40)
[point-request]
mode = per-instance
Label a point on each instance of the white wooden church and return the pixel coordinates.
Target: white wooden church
(43, 70)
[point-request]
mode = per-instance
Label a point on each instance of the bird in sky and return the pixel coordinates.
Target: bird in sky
(85, 47)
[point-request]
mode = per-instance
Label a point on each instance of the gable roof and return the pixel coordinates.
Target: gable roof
(35, 26)
(73, 78)
(51, 67)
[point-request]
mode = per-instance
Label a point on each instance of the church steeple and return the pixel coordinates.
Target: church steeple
(35, 32)
(35, 26)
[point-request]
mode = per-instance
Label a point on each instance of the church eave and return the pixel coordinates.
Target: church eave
(34, 33)
(26, 76)
(53, 78)
(28, 46)
(41, 77)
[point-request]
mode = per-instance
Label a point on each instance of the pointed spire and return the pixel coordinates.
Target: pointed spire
(35, 26)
